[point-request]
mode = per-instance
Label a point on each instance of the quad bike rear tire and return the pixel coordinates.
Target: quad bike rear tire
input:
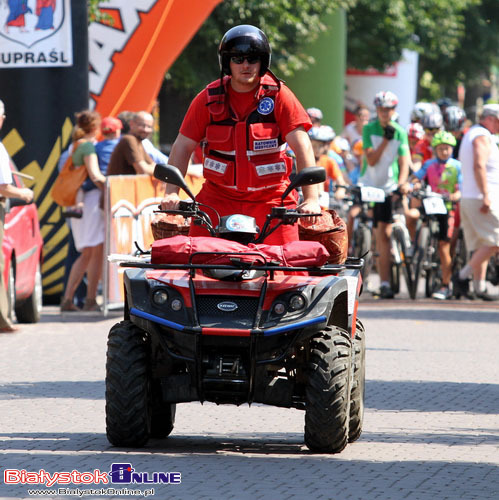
(128, 409)
(358, 383)
(327, 391)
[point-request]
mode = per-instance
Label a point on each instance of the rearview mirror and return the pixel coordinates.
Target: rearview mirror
(306, 177)
(172, 175)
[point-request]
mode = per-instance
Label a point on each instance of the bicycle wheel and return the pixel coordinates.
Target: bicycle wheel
(493, 270)
(400, 239)
(460, 254)
(433, 279)
(362, 248)
(422, 240)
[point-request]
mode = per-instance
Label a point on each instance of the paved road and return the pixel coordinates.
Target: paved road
(431, 425)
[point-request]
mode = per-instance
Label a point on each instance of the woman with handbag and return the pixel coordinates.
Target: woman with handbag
(88, 231)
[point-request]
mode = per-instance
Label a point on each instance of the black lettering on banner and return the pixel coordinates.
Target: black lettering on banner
(53, 56)
(29, 57)
(18, 56)
(41, 58)
(63, 59)
(6, 57)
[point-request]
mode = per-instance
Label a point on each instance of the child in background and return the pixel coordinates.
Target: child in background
(443, 175)
(321, 138)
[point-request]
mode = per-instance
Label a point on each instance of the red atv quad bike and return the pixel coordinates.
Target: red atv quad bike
(231, 320)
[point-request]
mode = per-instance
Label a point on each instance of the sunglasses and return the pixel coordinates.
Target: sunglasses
(241, 59)
(432, 130)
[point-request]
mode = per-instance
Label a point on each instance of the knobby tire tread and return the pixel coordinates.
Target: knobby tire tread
(328, 392)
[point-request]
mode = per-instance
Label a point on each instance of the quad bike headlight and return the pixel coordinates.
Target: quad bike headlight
(160, 297)
(176, 304)
(297, 302)
(279, 308)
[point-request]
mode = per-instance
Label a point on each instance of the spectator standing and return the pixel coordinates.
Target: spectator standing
(479, 156)
(88, 231)
(7, 190)
(156, 155)
(129, 156)
(353, 130)
(111, 130)
(386, 166)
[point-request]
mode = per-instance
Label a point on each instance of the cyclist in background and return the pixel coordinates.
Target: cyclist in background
(422, 109)
(386, 165)
(443, 175)
(415, 132)
(316, 116)
(321, 138)
(431, 123)
(454, 120)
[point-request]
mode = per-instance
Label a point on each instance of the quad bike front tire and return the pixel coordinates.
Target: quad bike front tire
(358, 383)
(327, 392)
(128, 409)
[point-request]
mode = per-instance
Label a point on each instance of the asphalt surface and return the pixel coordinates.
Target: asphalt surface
(431, 428)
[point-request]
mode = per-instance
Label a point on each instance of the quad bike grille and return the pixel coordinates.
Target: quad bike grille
(209, 312)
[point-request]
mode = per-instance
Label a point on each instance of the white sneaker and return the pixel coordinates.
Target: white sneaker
(443, 294)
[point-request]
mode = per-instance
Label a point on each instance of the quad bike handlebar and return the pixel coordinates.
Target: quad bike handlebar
(192, 208)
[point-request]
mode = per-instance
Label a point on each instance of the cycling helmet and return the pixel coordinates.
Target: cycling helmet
(244, 40)
(415, 131)
(421, 109)
(443, 137)
(432, 120)
(385, 100)
(324, 133)
(315, 113)
(444, 102)
(454, 118)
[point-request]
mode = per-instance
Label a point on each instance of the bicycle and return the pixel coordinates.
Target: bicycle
(401, 253)
(361, 237)
(426, 259)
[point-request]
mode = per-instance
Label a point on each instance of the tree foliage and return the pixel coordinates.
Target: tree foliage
(456, 41)
(289, 25)
(94, 13)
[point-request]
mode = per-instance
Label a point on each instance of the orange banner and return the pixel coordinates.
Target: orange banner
(129, 58)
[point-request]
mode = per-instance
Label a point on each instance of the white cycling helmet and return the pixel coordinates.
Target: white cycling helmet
(415, 131)
(315, 113)
(324, 133)
(454, 118)
(421, 109)
(385, 99)
(433, 121)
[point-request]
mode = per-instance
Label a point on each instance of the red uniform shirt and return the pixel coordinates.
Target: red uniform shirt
(288, 111)
(289, 115)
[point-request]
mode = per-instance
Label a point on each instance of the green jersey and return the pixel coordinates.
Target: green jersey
(385, 173)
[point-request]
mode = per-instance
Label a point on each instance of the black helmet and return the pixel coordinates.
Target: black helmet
(244, 40)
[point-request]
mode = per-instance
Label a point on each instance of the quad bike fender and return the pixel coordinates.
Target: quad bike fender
(331, 295)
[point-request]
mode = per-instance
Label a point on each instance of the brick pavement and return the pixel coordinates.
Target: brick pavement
(431, 425)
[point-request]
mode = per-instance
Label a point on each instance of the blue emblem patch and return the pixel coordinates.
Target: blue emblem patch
(266, 106)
